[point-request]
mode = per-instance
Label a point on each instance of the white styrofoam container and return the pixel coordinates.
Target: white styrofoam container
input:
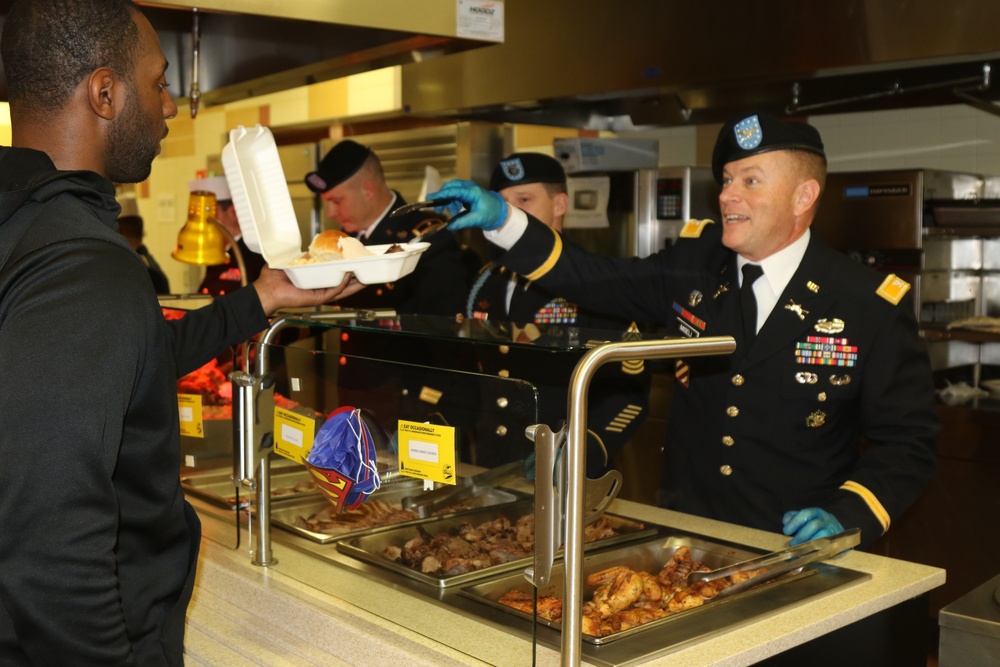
(267, 219)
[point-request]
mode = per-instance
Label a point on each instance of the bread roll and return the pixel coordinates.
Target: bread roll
(326, 246)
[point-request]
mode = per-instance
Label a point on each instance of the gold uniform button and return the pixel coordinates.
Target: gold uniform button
(822, 396)
(501, 430)
(726, 470)
(733, 411)
(504, 373)
(502, 402)
(728, 441)
(504, 349)
(738, 380)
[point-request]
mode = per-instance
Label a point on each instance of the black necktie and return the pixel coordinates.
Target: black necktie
(751, 272)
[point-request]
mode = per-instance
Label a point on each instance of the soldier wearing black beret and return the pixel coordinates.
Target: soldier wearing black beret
(828, 355)
(619, 396)
(351, 181)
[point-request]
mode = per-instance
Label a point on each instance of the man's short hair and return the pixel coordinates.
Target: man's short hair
(50, 46)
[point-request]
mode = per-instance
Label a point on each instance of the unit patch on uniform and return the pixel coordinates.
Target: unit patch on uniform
(691, 325)
(893, 289)
(826, 351)
(748, 133)
(692, 229)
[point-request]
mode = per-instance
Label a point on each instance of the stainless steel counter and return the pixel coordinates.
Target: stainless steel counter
(307, 610)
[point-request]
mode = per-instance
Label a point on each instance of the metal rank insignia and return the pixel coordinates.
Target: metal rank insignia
(797, 309)
(832, 326)
(816, 419)
(893, 288)
(723, 288)
(693, 228)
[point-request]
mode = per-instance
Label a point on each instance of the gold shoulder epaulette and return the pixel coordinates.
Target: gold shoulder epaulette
(893, 288)
(693, 228)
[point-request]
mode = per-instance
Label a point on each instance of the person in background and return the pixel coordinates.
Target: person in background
(225, 278)
(619, 396)
(100, 547)
(351, 182)
(131, 227)
(824, 415)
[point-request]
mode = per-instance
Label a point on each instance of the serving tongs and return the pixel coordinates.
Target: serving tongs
(426, 227)
(427, 503)
(778, 563)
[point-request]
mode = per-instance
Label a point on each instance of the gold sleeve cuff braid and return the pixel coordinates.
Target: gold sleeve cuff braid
(873, 504)
(550, 261)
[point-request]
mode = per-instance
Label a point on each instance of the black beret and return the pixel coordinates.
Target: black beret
(523, 168)
(339, 164)
(753, 133)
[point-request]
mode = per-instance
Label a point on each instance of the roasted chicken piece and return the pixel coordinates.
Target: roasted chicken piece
(624, 598)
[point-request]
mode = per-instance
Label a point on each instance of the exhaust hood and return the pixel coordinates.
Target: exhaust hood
(254, 47)
(603, 65)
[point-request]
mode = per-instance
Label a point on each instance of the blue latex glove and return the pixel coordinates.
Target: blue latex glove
(472, 206)
(808, 524)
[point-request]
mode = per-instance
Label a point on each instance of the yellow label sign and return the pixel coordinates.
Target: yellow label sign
(427, 451)
(293, 434)
(189, 407)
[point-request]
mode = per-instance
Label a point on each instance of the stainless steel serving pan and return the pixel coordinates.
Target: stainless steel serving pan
(287, 483)
(650, 555)
(369, 547)
(287, 515)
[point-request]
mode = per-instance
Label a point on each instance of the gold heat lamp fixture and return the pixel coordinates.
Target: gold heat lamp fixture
(202, 240)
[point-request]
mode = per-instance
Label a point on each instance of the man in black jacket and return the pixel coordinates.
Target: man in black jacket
(828, 352)
(99, 548)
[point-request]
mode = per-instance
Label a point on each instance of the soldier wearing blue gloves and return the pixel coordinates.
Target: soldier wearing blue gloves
(824, 416)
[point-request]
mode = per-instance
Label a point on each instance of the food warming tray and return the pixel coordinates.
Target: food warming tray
(286, 515)
(369, 547)
(288, 483)
(650, 555)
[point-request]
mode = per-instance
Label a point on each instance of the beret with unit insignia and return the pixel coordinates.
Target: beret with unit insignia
(753, 133)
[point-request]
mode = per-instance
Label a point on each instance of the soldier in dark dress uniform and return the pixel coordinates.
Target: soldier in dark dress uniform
(351, 182)
(824, 416)
(619, 396)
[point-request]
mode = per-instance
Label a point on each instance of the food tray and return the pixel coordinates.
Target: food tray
(649, 556)
(286, 515)
(370, 547)
(379, 268)
(287, 484)
(267, 218)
